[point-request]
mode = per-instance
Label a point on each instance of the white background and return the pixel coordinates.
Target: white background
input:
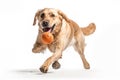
(17, 36)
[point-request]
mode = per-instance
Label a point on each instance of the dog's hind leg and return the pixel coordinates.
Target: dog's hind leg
(79, 47)
(80, 50)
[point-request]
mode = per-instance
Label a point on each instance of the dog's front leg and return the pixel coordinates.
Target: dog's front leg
(50, 60)
(38, 47)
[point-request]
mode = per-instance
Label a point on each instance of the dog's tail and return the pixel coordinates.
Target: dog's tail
(89, 29)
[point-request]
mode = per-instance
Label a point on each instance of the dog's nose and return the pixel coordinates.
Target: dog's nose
(45, 23)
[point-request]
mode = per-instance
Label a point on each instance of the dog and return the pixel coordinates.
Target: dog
(65, 31)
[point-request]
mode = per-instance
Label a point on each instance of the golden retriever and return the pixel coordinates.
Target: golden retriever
(65, 32)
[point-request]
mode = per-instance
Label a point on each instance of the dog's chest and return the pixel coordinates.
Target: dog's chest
(53, 46)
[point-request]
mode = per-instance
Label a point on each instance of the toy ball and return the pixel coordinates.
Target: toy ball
(47, 38)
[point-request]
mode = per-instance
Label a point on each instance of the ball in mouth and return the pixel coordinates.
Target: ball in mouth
(47, 38)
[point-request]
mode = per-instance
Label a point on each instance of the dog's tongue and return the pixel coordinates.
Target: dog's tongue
(46, 29)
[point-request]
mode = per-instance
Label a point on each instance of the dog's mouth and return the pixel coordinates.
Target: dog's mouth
(49, 29)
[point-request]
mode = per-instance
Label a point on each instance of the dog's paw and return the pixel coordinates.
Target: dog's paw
(87, 66)
(36, 50)
(44, 69)
(56, 65)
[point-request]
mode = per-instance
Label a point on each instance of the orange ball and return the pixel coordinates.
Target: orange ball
(47, 38)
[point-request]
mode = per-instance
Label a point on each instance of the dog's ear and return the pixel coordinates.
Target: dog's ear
(36, 17)
(63, 15)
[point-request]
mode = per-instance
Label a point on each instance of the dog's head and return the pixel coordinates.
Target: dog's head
(49, 19)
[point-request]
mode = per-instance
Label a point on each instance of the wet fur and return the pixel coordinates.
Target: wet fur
(64, 33)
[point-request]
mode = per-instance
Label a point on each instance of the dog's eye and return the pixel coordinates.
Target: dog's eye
(52, 15)
(42, 15)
